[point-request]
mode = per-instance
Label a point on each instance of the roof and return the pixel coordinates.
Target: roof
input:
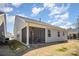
(74, 30)
(27, 19)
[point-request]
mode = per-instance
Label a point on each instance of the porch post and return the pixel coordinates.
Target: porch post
(27, 34)
(46, 35)
(5, 28)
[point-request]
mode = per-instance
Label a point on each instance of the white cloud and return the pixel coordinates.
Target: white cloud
(49, 21)
(16, 4)
(60, 16)
(57, 22)
(61, 19)
(67, 25)
(36, 10)
(64, 16)
(49, 5)
(59, 10)
(10, 19)
(68, 6)
(56, 10)
(56, 17)
(6, 9)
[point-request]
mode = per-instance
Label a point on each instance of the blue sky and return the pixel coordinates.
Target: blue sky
(58, 14)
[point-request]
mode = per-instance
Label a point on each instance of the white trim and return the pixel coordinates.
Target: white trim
(19, 33)
(46, 35)
(27, 34)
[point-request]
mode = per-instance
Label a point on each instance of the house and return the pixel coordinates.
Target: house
(73, 33)
(30, 31)
(10, 36)
(2, 26)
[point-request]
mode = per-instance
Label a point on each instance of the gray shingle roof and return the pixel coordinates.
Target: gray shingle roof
(26, 19)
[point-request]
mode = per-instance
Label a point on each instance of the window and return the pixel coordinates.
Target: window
(70, 36)
(74, 36)
(49, 33)
(63, 33)
(58, 34)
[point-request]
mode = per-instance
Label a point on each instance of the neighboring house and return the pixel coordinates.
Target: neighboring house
(10, 36)
(2, 26)
(73, 33)
(30, 31)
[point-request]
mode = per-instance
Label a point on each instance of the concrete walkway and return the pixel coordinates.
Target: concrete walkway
(5, 51)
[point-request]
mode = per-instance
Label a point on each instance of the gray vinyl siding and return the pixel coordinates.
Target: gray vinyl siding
(18, 26)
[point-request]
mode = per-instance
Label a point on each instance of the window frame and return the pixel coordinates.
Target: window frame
(63, 34)
(58, 34)
(49, 33)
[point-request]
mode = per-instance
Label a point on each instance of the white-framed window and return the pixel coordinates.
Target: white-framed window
(63, 34)
(58, 34)
(49, 33)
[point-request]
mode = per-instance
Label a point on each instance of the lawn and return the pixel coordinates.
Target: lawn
(70, 48)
